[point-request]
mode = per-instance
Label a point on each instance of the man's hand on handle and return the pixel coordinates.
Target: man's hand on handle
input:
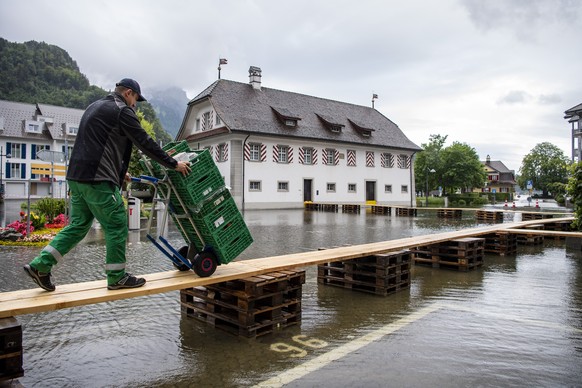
(183, 167)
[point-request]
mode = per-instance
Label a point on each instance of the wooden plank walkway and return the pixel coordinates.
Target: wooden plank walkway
(79, 294)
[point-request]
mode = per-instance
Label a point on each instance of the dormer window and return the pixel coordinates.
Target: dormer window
(330, 123)
(286, 117)
(70, 129)
(361, 129)
(33, 126)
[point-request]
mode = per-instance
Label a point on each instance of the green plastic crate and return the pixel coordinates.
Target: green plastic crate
(225, 211)
(172, 149)
(201, 184)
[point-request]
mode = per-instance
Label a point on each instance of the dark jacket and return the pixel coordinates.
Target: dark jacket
(104, 142)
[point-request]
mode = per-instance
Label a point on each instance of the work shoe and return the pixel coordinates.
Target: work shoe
(127, 281)
(43, 279)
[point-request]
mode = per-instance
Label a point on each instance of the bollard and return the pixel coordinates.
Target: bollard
(133, 206)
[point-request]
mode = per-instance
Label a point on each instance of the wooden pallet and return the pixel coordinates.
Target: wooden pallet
(449, 213)
(406, 211)
(380, 210)
(380, 274)
(531, 238)
(501, 243)
(10, 349)
(347, 208)
(535, 216)
(492, 216)
(365, 286)
(248, 307)
(461, 254)
(561, 226)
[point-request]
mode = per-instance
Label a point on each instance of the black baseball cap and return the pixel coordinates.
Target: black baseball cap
(133, 85)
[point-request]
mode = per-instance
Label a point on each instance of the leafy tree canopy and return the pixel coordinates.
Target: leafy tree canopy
(545, 165)
(454, 167)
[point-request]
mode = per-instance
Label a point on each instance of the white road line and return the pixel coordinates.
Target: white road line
(533, 322)
(319, 362)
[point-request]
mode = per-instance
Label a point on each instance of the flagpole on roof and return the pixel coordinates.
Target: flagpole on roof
(374, 96)
(221, 61)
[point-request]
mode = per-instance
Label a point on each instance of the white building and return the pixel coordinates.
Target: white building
(277, 149)
(574, 116)
(25, 131)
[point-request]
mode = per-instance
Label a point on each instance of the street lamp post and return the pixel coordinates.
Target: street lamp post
(432, 171)
(2, 154)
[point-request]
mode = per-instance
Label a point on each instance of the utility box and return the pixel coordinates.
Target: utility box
(133, 213)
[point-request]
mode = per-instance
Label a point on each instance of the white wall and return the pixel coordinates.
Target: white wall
(269, 173)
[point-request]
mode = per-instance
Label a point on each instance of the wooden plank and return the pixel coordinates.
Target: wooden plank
(79, 294)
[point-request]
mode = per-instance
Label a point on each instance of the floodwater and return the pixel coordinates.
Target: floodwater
(515, 321)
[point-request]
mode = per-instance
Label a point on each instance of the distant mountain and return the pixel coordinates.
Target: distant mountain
(170, 105)
(38, 72)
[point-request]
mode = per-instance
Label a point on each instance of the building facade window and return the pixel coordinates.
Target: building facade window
(351, 187)
(254, 185)
(255, 152)
(16, 150)
(33, 126)
(283, 154)
(282, 186)
(35, 148)
(16, 170)
(331, 187)
(388, 189)
(207, 121)
(308, 156)
(330, 156)
(402, 161)
(404, 188)
(222, 153)
(387, 160)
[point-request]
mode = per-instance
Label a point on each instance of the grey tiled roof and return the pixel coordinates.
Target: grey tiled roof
(245, 109)
(498, 166)
(15, 112)
(573, 111)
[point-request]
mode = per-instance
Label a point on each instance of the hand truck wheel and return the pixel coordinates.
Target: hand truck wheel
(204, 264)
(184, 252)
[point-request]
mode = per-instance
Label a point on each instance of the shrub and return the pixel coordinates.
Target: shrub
(50, 207)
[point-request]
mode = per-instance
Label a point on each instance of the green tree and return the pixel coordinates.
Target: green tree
(135, 168)
(463, 168)
(544, 165)
(574, 189)
(429, 160)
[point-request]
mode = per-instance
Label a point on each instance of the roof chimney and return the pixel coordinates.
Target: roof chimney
(255, 77)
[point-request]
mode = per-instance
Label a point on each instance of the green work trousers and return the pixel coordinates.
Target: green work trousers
(102, 201)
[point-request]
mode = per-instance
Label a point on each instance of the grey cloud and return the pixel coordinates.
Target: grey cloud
(523, 17)
(514, 97)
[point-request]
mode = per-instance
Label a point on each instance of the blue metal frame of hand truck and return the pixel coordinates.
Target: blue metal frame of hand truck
(177, 258)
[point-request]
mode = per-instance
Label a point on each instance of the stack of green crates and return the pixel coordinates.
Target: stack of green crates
(213, 210)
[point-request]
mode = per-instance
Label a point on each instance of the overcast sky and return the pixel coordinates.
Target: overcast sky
(495, 74)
